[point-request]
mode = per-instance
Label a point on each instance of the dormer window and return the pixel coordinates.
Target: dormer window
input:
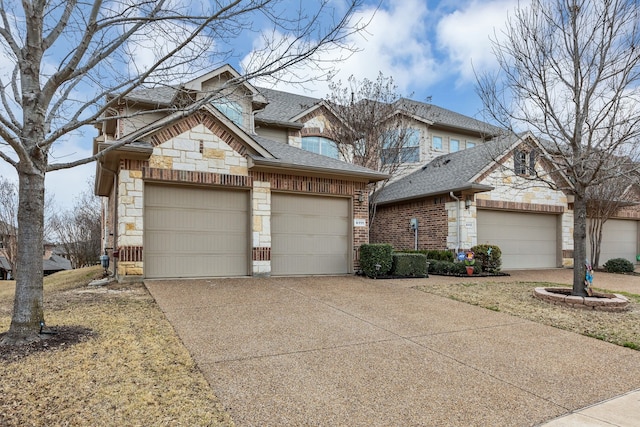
(231, 109)
(525, 162)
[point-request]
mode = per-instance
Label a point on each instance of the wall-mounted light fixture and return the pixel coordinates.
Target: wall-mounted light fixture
(361, 197)
(467, 203)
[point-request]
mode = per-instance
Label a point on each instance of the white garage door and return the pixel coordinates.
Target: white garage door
(619, 240)
(309, 234)
(527, 240)
(195, 232)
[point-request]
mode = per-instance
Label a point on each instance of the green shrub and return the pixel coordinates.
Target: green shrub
(618, 265)
(439, 255)
(376, 254)
(489, 261)
(409, 264)
(442, 255)
(446, 267)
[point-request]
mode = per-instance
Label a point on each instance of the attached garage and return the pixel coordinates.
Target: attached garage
(310, 234)
(527, 240)
(619, 240)
(195, 232)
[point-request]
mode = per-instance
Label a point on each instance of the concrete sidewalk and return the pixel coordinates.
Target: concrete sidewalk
(352, 351)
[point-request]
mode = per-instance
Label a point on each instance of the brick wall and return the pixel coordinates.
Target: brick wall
(391, 224)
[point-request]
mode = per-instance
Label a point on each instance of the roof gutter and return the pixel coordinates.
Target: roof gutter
(473, 188)
(289, 167)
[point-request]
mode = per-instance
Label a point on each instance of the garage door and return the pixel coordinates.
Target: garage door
(527, 240)
(195, 232)
(619, 240)
(309, 234)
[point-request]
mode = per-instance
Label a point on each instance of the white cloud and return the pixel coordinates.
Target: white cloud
(394, 43)
(465, 35)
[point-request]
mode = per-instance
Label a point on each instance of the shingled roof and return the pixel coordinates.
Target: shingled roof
(450, 172)
(283, 106)
(286, 155)
(443, 117)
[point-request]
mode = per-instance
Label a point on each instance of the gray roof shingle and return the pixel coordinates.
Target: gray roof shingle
(450, 172)
(288, 155)
(283, 106)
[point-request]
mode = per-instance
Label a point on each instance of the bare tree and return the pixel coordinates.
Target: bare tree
(77, 230)
(8, 222)
(373, 127)
(67, 56)
(569, 71)
(603, 202)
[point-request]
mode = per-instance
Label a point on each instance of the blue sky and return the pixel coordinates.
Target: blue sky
(428, 47)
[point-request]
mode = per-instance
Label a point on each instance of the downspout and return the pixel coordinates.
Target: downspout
(115, 216)
(457, 221)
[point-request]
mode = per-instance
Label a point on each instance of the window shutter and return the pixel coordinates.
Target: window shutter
(517, 164)
(532, 162)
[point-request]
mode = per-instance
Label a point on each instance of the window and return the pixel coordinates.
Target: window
(454, 145)
(524, 162)
(231, 109)
(395, 151)
(471, 144)
(437, 142)
(320, 145)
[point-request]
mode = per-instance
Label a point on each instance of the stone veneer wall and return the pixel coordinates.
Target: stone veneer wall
(391, 224)
(513, 192)
(198, 151)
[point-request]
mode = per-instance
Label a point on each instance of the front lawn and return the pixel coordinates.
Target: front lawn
(517, 299)
(131, 369)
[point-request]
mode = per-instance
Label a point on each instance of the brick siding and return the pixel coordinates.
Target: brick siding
(391, 224)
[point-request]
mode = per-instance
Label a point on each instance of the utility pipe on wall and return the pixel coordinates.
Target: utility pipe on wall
(457, 221)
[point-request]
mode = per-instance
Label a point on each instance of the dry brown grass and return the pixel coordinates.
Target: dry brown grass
(517, 299)
(134, 371)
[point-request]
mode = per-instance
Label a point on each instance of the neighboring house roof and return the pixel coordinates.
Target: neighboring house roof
(56, 263)
(450, 172)
(284, 107)
(4, 264)
(286, 155)
(447, 118)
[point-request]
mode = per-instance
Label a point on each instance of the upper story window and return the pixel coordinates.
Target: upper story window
(406, 151)
(524, 162)
(454, 145)
(320, 145)
(436, 142)
(231, 109)
(471, 144)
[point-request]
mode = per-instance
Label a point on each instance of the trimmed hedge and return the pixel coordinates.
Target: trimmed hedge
(372, 254)
(440, 255)
(489, 261)
(618, 265)
(447, 268)
(409, 264)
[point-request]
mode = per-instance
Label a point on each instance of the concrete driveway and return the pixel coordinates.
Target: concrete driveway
(348, 351)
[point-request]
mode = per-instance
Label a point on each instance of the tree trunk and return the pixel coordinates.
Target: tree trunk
(579, 244)
(28, 310)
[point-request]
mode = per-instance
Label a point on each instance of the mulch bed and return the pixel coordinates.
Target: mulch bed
(58, 338)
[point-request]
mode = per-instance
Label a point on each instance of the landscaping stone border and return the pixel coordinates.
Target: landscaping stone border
(599, 301)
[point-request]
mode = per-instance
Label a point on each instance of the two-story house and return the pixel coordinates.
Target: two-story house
(219, 191)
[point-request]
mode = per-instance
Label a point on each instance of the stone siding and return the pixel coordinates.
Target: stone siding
(197, 151)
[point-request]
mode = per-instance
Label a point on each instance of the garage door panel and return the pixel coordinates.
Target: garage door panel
(195, 232)
(527, 240)
(619, 240)
(310, 234)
